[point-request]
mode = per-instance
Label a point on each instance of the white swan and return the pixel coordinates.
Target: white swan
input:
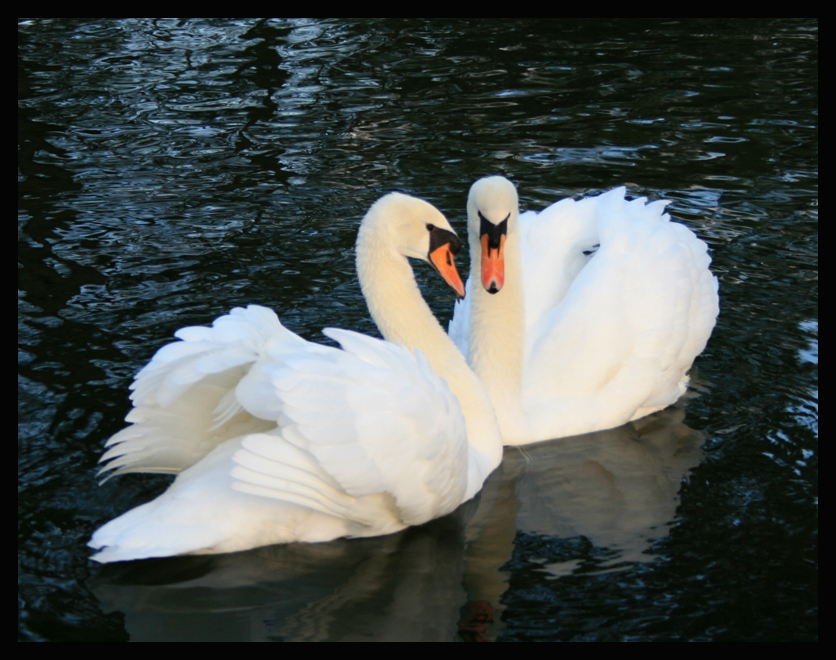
(590, 312)
(277, 439)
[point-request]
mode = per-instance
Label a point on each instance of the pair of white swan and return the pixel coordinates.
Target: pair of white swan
(276, 439)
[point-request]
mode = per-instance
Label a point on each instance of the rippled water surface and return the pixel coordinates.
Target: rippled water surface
(170, 170)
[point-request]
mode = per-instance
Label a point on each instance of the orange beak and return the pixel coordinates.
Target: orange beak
(493, 265)
(443, 260)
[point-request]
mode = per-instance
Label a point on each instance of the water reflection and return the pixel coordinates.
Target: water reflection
(598, 502)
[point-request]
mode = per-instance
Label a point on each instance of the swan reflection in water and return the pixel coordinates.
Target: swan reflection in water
(580, 505)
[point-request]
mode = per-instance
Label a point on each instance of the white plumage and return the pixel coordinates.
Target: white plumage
(277, 439)
(604, 307)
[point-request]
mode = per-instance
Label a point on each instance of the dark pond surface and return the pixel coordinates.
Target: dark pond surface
(170, 170)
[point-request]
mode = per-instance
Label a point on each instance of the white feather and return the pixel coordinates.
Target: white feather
(276, 439)
(605, 306)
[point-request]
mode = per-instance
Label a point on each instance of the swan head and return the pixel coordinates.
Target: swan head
(411, 227)
(492, 205)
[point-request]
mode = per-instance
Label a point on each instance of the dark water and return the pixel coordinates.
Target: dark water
(170, 170)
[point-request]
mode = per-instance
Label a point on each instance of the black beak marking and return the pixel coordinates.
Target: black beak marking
(493, 232)
(439, 237)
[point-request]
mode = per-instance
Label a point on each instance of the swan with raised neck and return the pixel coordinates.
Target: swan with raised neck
(584, 316)
(275, 439)
(386, 238)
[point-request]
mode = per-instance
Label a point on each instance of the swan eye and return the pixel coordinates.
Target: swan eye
(430, 227)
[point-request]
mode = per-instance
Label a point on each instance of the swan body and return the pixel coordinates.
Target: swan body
(276, 439)
(589, 314)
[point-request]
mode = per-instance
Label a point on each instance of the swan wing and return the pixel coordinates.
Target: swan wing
(555, 245)
(633, 305)
(374, 419)
(362, 441)
(186, 399)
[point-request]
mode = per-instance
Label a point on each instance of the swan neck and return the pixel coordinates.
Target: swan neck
(497, 329)
(403, 316)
